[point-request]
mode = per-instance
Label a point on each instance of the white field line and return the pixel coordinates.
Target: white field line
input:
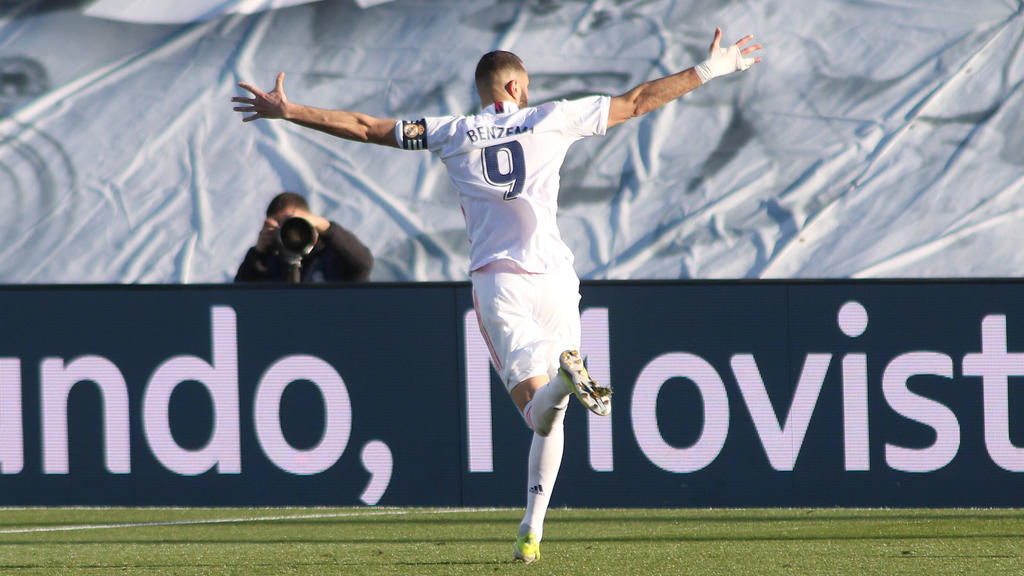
(317, 516)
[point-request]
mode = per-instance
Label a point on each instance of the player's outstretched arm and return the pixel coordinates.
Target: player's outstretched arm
(341, 123)
(656, 93)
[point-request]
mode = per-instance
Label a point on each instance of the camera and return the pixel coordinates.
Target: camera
(296, 237)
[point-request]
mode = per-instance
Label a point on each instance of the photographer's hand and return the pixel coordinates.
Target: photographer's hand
(267, 242)
(319, 222)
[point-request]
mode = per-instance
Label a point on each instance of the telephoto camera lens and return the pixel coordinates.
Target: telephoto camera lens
(297, 235)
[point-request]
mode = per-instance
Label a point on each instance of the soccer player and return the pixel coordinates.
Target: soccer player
(504, 163)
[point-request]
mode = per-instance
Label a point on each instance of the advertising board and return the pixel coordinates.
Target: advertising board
(727, 393)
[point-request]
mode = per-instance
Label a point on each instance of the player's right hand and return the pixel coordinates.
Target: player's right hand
(722, 61)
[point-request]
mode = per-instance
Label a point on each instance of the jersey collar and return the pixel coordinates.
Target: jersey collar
(502, 107)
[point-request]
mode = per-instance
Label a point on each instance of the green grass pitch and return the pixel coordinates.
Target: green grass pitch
(420, 541)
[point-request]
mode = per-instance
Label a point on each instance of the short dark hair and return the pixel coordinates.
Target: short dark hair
(494, 62)
(286, 200)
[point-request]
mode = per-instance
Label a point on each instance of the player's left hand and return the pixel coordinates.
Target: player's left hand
(262, 104)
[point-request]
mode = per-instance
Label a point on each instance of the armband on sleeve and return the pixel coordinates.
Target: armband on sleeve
(411, 135)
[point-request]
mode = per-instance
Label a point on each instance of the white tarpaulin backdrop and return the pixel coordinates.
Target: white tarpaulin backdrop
(877, 139)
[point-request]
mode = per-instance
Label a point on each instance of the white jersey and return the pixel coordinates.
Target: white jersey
(504, 163)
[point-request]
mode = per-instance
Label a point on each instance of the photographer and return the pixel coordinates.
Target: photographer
(296, 245)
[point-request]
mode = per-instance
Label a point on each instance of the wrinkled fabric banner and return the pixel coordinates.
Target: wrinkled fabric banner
(180, 11)
(877, 139)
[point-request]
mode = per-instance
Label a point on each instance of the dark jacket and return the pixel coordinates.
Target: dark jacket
(337, 257)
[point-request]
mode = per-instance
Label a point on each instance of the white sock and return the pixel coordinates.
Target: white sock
(547, 404)
(545, 460)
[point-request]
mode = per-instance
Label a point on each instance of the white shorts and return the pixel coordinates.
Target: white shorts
(526, 319)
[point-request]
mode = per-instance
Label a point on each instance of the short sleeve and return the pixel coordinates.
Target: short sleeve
(587, 116)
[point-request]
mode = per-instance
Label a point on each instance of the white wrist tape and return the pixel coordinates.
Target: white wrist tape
(721, 62)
